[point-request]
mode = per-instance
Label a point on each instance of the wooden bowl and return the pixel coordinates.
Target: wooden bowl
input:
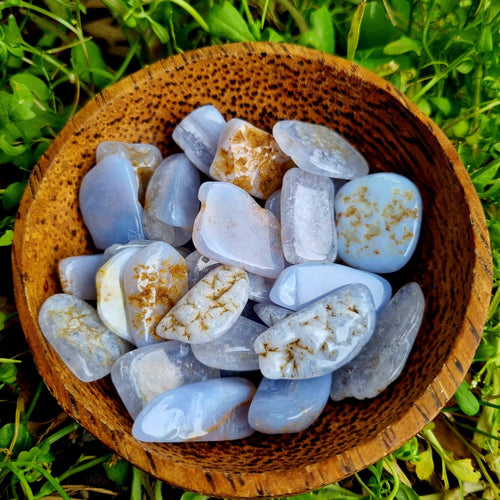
(263, 83)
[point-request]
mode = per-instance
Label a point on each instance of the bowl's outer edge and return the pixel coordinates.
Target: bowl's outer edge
(279, 482)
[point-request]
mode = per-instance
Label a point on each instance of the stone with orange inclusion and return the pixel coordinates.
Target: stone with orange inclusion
(209, 309)
(378, 220)
(320, 337)
(249, 158)
(154, 280)
(75, 331)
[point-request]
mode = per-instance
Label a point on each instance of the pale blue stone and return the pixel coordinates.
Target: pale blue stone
(232, 228)
(270, 314)
(154, 280)
(286, 406)
(260, 286)
(172, 194)
(198, 134)
(73, 328)
(319, 150)
(118, 247)
(381, 361)
(109, 203)
(273, 204)
(307, 218)
(319, 338)
(198, 266)
(144, 373)
(233, 350)
(144, 159)
(301, 284)
(77, 275)
(378, 220)
(211, 410)
(157, 230)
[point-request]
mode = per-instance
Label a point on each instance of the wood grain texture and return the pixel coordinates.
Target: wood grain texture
(263, 83)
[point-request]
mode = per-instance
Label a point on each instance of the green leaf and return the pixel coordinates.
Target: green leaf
(225, 22)
(402, 46)
(443, 104)
(485, 41)
(187, 495)
(406, 493)
(12, 195)
(272, 36)
(8, 371)
(21, 105)
(7, 238)
(9, 148)
(321, 36)
(467, 402)
(89, 64)
(36, 85)
(424, 468)
(463, 470)
(117, 470)
(24, 440)
(354, 30)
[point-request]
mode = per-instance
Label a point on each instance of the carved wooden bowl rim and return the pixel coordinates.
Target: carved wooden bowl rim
(242, 77)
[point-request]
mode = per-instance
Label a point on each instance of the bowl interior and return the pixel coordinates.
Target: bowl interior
(263, 83)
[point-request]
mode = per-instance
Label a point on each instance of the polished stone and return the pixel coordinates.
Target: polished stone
(319, 150)
(154, 280)
(301, 284)
(270, 314)
(109, 204)
(111, 304)
(77, 275)
(209, 309)
(273, 204)
(381, 361)
(250, 158)
(143, 157)
(286, 406)
(144, 373)
(378, 222)
(73, 328)
(319, 338)
(211, 410)
(308, 231)
(232, 228)
(198, 266)
(198, 133)
(172, 194)
(233, 350)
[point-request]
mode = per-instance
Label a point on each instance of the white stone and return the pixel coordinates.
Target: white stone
(270, 314)
(209, 309)
(319, 338)
(111, 295)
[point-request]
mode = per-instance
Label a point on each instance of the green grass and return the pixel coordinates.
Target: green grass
(55, 55)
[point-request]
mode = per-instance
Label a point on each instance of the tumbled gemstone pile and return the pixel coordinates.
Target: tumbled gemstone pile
(238, 287)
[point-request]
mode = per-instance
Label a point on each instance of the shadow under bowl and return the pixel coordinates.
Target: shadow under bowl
(263, 83)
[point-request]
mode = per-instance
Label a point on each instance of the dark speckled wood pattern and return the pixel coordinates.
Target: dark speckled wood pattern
(263, 83)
